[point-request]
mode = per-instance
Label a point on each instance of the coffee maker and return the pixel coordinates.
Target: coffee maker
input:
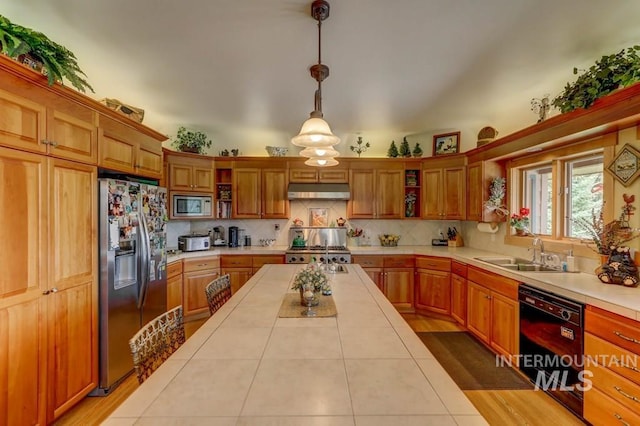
(233, 236)
(217, 237)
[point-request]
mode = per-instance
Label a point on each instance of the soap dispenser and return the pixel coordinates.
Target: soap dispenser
(571, 261)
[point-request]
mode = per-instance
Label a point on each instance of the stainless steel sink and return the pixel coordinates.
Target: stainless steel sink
(517, 264)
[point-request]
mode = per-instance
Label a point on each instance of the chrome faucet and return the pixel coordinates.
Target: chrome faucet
(537, 242)
(326, 249)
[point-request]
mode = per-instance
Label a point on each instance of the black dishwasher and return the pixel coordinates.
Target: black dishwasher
(551, 344)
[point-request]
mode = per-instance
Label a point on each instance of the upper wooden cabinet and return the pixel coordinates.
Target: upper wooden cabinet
(124, 149)
(190, 172)
(260, 193)
(377, 191)
(444, 194)
(64, 129)
(310, 175)
(479, 177)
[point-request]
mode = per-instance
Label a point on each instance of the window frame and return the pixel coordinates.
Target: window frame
(557, 158)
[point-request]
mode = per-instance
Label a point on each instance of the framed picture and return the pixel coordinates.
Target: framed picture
(446, 143)
(318, 217)
(626, 166)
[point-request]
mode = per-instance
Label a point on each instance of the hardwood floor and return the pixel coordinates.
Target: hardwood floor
(510, 407)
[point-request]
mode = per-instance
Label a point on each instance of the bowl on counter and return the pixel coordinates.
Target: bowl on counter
(268, 242)
(389, 240)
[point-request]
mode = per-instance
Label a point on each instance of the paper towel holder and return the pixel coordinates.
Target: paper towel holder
(488, 227)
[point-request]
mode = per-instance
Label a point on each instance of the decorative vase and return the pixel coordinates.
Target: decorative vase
(519, 232)
(195, 150)
(316, 298)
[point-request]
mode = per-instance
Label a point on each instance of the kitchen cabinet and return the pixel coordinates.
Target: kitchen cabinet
(412, 191)
(493, 310)
(223, 184)
(125, 149)
(433, 286)
(373, 266)
(24, 264)
(60, 128)
(305, 174)
(190, 172)
(197, 273)
(443, 190)
(73, 283)
(239, 268)
(615, 395)
(479, 177)
(394, 275)
(259, 261)
(459, 292)
(260, 193)
(174, 284)
(379, 178)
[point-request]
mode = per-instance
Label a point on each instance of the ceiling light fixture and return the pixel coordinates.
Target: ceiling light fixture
(315, 135)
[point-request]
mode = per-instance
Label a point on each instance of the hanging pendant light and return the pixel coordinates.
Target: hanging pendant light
(315, 135)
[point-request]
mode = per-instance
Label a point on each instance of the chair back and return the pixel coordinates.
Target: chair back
(218, 292)
(156, 341)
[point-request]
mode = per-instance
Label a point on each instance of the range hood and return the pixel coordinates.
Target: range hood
(319, 191)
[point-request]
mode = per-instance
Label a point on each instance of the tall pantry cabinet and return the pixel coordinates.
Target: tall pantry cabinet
(48, 223)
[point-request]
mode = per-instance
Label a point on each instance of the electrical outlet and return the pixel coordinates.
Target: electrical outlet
(277, 226)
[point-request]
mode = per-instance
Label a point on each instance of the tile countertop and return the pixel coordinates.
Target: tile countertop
(582, 287)
(247, 366)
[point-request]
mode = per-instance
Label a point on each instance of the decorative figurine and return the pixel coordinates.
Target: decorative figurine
(541, 107)
(359, 148)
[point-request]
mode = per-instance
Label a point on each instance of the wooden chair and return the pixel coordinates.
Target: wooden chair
(218, 292)
(156, 341)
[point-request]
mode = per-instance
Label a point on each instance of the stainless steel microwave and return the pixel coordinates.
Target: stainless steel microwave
(191, 206)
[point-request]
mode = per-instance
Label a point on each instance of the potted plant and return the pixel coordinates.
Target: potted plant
(520, 222)
(191, 141)
(417, 150)
(606, 75)
(30, 47)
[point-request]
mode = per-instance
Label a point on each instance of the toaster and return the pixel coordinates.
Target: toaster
(193, 242)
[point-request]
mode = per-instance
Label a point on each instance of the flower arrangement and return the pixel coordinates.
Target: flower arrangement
(520, 221)
(191, 141)
(310, 275)
(497, 192)
(354, 233)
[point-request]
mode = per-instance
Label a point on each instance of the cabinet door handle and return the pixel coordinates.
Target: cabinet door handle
(53, 290)
(620, 419)
(202, 264)
(628, 339)
(47, 142)
(626, 395)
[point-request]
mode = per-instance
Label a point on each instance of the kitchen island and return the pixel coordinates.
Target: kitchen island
(247, 366)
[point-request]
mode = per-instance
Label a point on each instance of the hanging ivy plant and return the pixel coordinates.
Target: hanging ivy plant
(609, 73)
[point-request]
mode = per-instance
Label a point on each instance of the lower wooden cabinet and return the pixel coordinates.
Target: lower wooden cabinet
(394, 276)
(615, 395)
(239, 268)
(459, 292)
(433, 286)
(197, 273)
(174, 284)
(493, 310)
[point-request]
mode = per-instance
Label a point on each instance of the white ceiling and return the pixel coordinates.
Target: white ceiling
(238, 69)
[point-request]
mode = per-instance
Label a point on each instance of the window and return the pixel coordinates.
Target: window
(558, 191)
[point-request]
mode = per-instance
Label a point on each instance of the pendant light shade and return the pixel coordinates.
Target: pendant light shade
(315, 135)
(321, 162)
(320, 151)
(315, 132)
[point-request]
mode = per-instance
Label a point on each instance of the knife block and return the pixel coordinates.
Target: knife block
(457, 242)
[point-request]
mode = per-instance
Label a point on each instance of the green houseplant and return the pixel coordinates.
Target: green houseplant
(57, 61)
(609, 73)
(191, 141)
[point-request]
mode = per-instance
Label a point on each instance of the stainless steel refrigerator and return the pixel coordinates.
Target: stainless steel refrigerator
(133, 279)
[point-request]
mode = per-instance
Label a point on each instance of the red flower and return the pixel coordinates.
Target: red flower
(524, 211)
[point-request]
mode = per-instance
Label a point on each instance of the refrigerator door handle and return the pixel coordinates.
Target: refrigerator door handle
(144, 259)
